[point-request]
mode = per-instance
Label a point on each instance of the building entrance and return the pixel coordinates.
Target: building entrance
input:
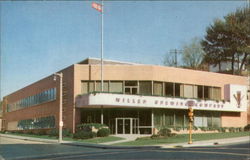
(127, 126)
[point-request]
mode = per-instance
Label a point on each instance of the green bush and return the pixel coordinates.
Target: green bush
(84, 135)
(177, 129)
(55, 132)
(103, 132)
(29, 132)
(67, 133)
(165, 132)
(247, 127)
(204, 128)
(232, 129)
(88, 126)
(221, 129)
(195, 128)
(155, 136)
(41, 132)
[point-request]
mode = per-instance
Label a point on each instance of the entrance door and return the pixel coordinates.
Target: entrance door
(127, 125)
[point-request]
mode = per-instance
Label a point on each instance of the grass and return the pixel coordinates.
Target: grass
(183, 138)
(92, 140)
(99, 139)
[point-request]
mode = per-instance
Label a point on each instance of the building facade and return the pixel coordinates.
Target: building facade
(137, 99)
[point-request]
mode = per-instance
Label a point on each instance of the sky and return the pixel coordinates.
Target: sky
(39, 38)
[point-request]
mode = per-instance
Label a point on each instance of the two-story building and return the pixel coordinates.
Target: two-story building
(136, 98)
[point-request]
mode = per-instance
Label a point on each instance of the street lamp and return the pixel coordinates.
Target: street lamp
(60, 75)
(191, 119)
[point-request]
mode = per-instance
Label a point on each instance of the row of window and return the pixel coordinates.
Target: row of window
(154, 88)
(39, 98)
(169, 118)
(37, 123)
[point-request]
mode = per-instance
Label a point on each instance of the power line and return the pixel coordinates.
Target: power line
(175, 52)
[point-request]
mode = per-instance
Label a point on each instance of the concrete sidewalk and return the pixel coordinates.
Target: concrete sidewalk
(215, 142)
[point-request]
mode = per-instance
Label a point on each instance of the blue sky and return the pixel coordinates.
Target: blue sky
(40, 38)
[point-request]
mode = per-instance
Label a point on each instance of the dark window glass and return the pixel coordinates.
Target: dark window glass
(206, 92)
(145, 87)
(200, 92)
(169, 89)
(177, 89)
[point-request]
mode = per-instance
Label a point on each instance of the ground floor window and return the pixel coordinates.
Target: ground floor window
(35, 123)
(139, 121)
(165, 118)
(140, 118)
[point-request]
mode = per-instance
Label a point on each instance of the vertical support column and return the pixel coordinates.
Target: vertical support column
(123, 126)
(131, 125)
(115, 125)
(101, 114)
(152, 121)
(152, 87)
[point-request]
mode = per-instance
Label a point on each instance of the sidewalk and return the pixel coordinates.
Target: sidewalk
(215, 142)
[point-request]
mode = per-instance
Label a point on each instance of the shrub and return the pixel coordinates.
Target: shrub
(165, 132)
(55, 132)
(88, 126)
(195, 128)
(29, 132)
(221, 129)
(247, 127)
(177, 129)
(84, 135)
(103, 132)
(41, 132)
(232, 129)
(67, 133)
(204, 128)
(155, 136)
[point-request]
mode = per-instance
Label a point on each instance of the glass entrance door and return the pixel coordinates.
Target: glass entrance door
(126, 125)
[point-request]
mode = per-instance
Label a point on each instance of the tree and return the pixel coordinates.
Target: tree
(169, 59)
(229, 40)
(193, 53)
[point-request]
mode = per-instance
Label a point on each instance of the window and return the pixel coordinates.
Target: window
(158, 89)
(206, 92)
(84, 87)
(216, 93)
(37, 123)
(145, 87)
(105, 86)
(91, 87)
(200, 92)
(169, 89)
(178, 88)
(190, 91)
(116, 87)
(42, 97)
(131, 87)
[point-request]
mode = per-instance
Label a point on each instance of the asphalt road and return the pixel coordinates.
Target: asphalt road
(22, 149)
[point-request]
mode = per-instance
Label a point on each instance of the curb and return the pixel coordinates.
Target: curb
(110, 146)
(80, 144)
(29, 138)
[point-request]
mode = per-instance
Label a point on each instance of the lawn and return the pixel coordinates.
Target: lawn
(92, 140)
(184, 138)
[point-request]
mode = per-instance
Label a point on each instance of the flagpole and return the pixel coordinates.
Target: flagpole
(102, 48)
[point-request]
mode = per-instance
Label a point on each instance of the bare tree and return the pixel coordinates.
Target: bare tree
(193, 53)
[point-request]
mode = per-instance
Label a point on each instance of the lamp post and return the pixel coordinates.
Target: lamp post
(191, 119)
(60, 75)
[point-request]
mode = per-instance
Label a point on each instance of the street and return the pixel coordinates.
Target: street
(23, 149)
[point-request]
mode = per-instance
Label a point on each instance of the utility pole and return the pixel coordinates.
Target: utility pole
(60, 75)
(175, 52)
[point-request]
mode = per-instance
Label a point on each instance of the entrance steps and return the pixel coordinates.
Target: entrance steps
(127, 137)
